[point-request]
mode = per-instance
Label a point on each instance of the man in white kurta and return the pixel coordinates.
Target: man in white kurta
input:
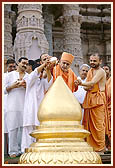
(11, 66)
(15, 104)
(80, 93)
(5, 107)
(36, 86)
(5, 122)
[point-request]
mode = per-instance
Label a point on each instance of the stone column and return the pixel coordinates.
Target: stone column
(108, 52)
(30, 39)
(8, 48)
(48, 21)
(72, 40)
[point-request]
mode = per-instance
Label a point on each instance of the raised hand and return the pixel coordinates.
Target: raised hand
(78, 82)
(48, 64)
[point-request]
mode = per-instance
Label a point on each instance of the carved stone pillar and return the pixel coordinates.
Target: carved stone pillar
(108, 52)
(72, 40)
(8, 48)
(30, 39)
(48, 21)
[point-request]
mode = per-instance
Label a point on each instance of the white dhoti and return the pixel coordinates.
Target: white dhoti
(27, 140)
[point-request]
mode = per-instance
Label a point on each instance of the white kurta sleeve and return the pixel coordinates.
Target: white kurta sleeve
(6, 83)
(47, 84)
(32, 77)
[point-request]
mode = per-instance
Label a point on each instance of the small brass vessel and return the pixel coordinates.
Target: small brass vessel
(60, 135)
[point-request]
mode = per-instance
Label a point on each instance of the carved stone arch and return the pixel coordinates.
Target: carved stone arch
(31, 37)
(33, 46)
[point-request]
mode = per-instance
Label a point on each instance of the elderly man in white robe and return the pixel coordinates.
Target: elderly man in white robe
(37, 84)
(15, 90)
(81, 92)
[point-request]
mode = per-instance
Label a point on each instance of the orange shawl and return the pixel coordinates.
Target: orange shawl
(108, 93)
(69, 77)
(94, 115)
(108, 107)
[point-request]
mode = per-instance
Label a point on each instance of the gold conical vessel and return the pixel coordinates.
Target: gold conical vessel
(60, 136)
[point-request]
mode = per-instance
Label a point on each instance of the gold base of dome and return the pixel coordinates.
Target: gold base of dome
(59, 144)
(60, 158)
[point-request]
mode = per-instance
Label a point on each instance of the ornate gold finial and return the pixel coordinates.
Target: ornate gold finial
(60, 136)
(59, 104)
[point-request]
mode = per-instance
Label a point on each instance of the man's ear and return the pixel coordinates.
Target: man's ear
(60, 61)
(100, 61)
(40, 62)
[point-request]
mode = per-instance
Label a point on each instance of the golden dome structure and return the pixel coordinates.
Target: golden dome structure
(60, 135)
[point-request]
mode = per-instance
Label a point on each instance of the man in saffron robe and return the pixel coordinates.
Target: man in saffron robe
(63, 69)
(94, 104)
(108, 107)
(107, 70)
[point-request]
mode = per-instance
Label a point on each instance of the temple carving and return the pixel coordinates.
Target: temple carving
(32, 29)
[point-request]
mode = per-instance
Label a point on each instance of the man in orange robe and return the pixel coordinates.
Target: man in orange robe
(108, 107)
(63, 69)
(94, 104)
(107, 70)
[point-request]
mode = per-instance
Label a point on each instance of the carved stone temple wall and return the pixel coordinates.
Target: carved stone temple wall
(95, 33)
(30, 39)
(48, 23)
(53, 28)
(72, 40)
(8, 48)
